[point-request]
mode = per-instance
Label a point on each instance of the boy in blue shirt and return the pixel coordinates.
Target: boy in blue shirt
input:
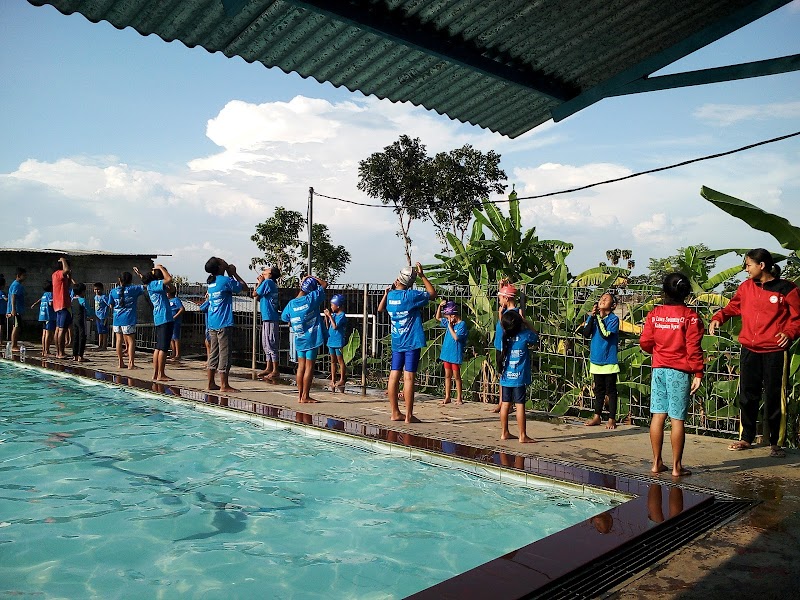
(452, 354)
(303, 315)
(16, 306)
(155, 282)
(267, 294)
(123, 299)
(221, 289)
(337, 338)
(78, 310)
(47, 317)
(177, 319)
(602, 326)
(101, 306)
(408, 337)
(515, 371)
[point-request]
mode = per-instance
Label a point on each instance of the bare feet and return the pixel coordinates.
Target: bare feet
(681, 472)
(595, 420)
(398, 417)
(659, 468)
(526, 440)
(119, 366)
(262, 374)
(133, 367)
(496, 409)
(412, 419)
(505, 435)
(459, 402)
(212, 387)
(612, 424)
(740, 445)
(227, 388)
(309, 400)
(445, 401)
(164, 378)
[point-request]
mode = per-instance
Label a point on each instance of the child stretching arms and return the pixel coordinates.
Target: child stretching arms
(452, 354)
(515, 369)
(337, 337)
(602, 325)
(302, 314)
(672, 334)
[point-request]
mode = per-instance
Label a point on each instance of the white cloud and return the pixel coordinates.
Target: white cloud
(724, 115)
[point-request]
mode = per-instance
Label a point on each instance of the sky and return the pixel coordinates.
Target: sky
(124, 143)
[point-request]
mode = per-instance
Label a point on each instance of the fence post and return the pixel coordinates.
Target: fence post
(255, 322)
(364, 330)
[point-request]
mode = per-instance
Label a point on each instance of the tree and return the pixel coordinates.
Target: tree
(279, 239)
(400, 176)
(464, 178)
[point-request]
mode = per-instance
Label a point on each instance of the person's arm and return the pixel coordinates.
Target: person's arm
(608, 326)
(138, 273)
(734, 309)
(426, 282)
(322, 283)
(647, 339)
(39, 301)
(382, 305)
(438, 316)
(12, 305)
(694, 350)
(328, 318)
(232, 272)
(66, 270)
(167, 277)
(259, 289)
(792, 329)
(179, 313)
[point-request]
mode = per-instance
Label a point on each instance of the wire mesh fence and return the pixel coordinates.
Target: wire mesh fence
(561, 379)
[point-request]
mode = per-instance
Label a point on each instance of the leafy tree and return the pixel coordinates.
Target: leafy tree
(464, 177)
(279, 239)
(400, 176)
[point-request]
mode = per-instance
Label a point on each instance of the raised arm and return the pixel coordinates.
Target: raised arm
(426, 282)
(167, 276)
(232, 272)
(382, 305)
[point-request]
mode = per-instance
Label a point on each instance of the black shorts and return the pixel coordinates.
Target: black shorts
(164, 335)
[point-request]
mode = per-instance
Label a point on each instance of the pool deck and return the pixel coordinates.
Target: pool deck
(751, 555)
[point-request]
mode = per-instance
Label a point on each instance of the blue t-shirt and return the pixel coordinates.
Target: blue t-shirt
(125, 308)
(517, 371)
(403, 307)
(267, 292)
(220, 302)
(162, 310)
(3, 303)
(46, 312)
(453, 350)
(498, 331)
(101, 304)
(176, 305)
(305, 322)
(605, 338)
(17, 291)
(338, 336)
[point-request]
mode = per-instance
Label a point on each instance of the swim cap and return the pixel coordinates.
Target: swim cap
(309, 285)
(407, 276)
(338, 300)
(450, 308)
(507, 290)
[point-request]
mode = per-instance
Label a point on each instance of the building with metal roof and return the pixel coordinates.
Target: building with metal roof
(504, 65)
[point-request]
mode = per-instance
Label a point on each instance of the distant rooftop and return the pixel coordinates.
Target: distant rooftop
(74, 252)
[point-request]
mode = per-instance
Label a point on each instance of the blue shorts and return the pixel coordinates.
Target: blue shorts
(407, 360)
(176, 329)
(48, 325)
(335, 351)
(63, 318)
(102, 328)
(513, 394)
(308, 354)
(669, 392)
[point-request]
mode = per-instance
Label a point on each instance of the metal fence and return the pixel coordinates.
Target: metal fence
(561, 379)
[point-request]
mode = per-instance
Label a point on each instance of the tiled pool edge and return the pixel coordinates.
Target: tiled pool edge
(518, 573)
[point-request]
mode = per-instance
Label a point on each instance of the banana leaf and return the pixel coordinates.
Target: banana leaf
(352, 348)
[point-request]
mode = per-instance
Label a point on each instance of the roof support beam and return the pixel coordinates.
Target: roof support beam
(760, 68)
(712, 33)
(397, 26)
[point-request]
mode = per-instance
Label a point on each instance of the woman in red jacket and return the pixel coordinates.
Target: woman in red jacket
(770, 311)
(672, 334)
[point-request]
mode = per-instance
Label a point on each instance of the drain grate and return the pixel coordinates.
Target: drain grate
(613, 569)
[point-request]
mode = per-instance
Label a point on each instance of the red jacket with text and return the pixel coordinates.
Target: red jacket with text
(769, 309)
(672, 334)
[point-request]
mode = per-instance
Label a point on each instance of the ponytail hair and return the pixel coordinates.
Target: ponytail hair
(125, 280)
(213, 268)
(511, 322)
(676, 288)
(760, 255)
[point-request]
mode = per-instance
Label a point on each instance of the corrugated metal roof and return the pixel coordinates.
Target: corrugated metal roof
(503, 65)
(74, 252)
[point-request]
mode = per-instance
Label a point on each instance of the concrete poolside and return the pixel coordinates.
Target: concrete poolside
(753, 554)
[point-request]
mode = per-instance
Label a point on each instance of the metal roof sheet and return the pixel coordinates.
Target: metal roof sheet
(74, 252)
(503, 65)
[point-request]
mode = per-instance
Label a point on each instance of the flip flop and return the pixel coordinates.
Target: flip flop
(739, 446)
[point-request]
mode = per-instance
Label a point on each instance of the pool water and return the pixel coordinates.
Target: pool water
(108, 493)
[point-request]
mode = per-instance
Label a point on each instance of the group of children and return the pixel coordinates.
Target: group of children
(672, 333)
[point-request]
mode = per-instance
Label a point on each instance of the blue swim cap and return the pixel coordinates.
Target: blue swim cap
(338, 300)
(309, 285)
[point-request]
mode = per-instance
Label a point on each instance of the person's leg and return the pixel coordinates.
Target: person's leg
(334, 365)
(76, 340)
(265, 348)
(213, 359)
(80, 333)
(448, 383)
(505, 408)
(409, 379)
(611, 394)
(130, 340)
(599, 389)
(342, 372)
(300, 377)
(392, 388)
(751, 378)
(119, 348)
(15, 334)
(498, 361)
(677, 438)
(523, 433)
(657, 441)
(308, 379)
(225, 337)
(162, 359)
(776, 374)
(44, 339)
(459, 390)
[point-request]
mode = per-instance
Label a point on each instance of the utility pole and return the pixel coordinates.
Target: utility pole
(310, 225)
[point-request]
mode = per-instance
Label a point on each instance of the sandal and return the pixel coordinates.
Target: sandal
(740, 445)
(778, 453)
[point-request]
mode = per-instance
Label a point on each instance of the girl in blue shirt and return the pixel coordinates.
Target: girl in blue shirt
(515, 371)
(303, 315)
(101, 305)
(337, 337)
(267, 294)
(155, 282)
(602, 326)
(123, 302)
(452, 354)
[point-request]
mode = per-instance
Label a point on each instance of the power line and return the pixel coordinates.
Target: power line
(598, 183)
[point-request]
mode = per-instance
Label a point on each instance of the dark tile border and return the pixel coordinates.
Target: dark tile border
(518, 574)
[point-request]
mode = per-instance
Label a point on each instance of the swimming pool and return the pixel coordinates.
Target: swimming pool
(111, 493)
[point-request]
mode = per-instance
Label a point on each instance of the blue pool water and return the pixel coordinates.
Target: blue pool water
(105, 493)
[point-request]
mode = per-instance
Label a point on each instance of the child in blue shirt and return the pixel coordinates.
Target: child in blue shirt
(515, 371)
(267, 294)
(602, 326)
(47, 317)
(203, 308)
(177, 318)
(3, 307)
(101, 305)
(452, 354)
(78, 310)
(123, 301)
(16, 306)
(156, 281)
(337, 338)
(303, 315)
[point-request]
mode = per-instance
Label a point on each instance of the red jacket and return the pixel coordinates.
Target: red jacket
(672, 334)
(766, 310)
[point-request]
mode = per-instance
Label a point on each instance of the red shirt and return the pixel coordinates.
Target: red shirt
(672, 334)
(766, 310)
(61, 298)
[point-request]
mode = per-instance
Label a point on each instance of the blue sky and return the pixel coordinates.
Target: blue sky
(126, 143)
